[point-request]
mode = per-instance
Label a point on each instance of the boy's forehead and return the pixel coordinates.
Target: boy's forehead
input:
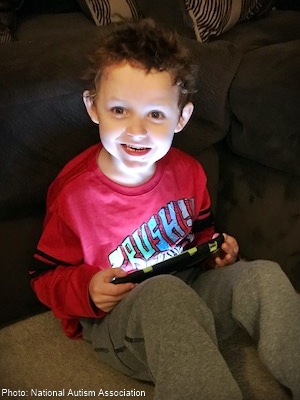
(111, 69)
(126, 81)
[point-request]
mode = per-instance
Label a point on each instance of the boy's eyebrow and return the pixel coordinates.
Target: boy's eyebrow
(125, 101)
(116, 99)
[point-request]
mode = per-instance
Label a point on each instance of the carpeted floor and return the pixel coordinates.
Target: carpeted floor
(36, 358)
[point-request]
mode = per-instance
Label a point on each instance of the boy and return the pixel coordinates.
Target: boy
(134, 200)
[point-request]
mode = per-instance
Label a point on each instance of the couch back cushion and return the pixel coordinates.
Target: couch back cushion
(171, 14)
(264, 95)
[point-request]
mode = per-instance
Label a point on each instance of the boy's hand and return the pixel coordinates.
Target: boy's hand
(106, 295)
(228, 253)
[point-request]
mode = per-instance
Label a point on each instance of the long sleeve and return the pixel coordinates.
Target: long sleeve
(60, 277)
(65, 291)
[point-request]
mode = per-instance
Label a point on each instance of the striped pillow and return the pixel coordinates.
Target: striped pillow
(104, 12)
(8, 19)
(212, 17)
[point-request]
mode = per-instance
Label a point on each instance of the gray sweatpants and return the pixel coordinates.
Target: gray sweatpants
(167, 331)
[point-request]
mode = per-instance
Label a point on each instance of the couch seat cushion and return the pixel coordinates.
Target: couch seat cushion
(36, 355)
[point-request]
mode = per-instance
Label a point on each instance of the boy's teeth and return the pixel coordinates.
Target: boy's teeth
(135, 148)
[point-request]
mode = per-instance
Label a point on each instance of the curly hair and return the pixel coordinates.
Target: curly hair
(144, 45)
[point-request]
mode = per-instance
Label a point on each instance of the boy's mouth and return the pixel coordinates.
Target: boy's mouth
(136, 150)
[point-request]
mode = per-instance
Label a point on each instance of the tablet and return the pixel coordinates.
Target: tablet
(186, 259)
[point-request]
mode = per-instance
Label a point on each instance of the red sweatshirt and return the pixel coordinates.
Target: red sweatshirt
(93, 223)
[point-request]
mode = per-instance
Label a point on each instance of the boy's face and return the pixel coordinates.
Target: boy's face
(137, 113)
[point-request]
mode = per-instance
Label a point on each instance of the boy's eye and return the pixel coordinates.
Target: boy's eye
(118, 110)
(156, 115)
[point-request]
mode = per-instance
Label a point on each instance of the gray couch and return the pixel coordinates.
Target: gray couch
(245, 131)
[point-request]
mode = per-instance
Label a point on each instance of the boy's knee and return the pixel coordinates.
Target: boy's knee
(168, 293)
(162, 283)
(263, 278)
(164, 289)
(265, 270)
(168, 300)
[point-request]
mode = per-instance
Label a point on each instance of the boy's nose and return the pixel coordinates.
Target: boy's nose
(136, 127)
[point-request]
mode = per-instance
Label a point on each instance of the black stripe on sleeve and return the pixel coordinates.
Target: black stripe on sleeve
(204, 223)
(52, 259)
(203, 212)
(39, 267)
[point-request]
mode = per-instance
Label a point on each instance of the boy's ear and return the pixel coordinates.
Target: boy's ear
(90, 106)
(186, 113)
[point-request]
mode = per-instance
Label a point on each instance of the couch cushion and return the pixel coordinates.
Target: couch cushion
(265, 101)
(169, 13)
(36, 356)
(218, 63)
(49, 6)
(260, 207)
(277, 27)
(19, 237)
(43, 122)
